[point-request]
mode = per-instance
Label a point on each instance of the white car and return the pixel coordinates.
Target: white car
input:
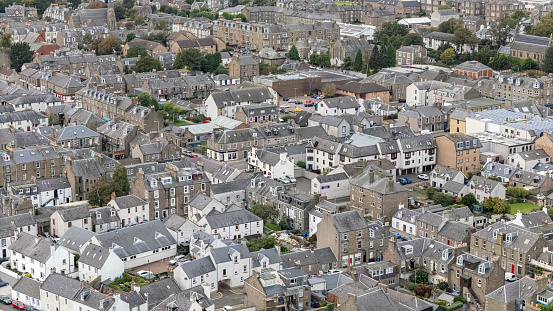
(284, 180)
(175, 260)
(227, 308)
(284, 106)
(291, 178)
(423, 177)
(145, 274)
(331, 272)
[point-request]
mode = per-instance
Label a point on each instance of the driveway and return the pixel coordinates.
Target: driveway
(6, 290)
(226, 296)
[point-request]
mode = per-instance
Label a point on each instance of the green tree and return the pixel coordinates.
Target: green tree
(159, 37)
(376, 59)
(6, 41)
(170, 111)
(496, 205)
(212, 62)
(347, 64)
(443, 199)
(518, 15)
(322, 60)
(469, 200)
(547, 64)
(120, 12)
(105, 46)
(543, 29)
(128, 4)
(293, 53)
(100, 193)
(139, 20)
(358, 63)
(529, 63)
(130, 36)
(500, 31)
(265, 212)
(146, 100)
(228, 16)
(136, 51)
(190, 58)
(147, 64)
(443, 285)
(161, 25)
(518, 192)
(96, 5)
(451, 25)
(121, 185)
(20, 53)
(444, 7)
(464, 36)
(87, 39)
(412, 39)
(448, 57)
(419, 276)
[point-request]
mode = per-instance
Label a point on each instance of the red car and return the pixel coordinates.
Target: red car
(193, 156)
(18, 305)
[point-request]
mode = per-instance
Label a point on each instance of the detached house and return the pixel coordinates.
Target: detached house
(339, 105)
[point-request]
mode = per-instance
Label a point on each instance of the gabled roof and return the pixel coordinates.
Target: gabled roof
(349, 221)
(94, 256)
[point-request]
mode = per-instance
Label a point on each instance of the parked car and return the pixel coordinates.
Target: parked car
(408, 180)
(46, 234)
(309, 104)
(284, 180)
(193, 155)
(330, 272)
(145, 274)
(286, 99)
(284, 106)
(321, 97)
(18, 305)
(423, 177)
(3, 283)
(175, 260)
(402, 181)
(29, 308)
(292, 101)
(3, 259)
(5, 300)
(291, 178)
(227, 308)
(314, 96)
(298, 109)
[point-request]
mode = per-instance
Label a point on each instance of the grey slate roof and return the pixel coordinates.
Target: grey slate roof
(520, 236)
(9, 224)
(321, 256)
(235, 185)
(158, 291)
(454, 230)
(75, 237)
(349, 221)
(63, 286)
(94, 255)
(272, 254)
(28, 287)
(27, 245)
(174, 222)
(129, 201)
(52, 184)
(345, 102)
(523, 288)
(197, 267)
(230, 218)
(137, 239)
(224, 254)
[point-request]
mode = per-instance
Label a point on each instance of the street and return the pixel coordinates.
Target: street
(6, 290)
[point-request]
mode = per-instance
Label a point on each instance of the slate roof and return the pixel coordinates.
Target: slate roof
(137, 239)
(28, 287)
(321, 256)
(418, 246)
(523, 288)
(495, 169)
(231, 186)
(362, 87)
(27, 245)
(74, 213)
(535, 219)
(344, 102)
(225, 254)
(349, 221)
(9, 224)
(94, 255)
(523, 240)
(63, 286)
(271, 254)
(158, 291)
(454, 230)
(230, 218)
(174, 222)
(52, 184)
(75, 237)
(255, 94)
(197, 267)
(106, 216)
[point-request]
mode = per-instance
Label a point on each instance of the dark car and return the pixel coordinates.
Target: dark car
(3, 259)
(286, 99)
(3, 283)
(408, 180)
(29, 308)
(402, 181)
(5, 300)
(309, 104)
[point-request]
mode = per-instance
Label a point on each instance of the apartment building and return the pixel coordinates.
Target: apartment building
(516, 87)
(465, 148)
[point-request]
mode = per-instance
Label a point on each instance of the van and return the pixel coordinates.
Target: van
(510, 277)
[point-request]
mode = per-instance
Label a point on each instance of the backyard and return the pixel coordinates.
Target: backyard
(523, 207)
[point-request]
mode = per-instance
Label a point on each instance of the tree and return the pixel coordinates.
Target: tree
(528, 63)
(120, 12)
(130, 36)
(105, 46)
(543, 29)
(464, 36)
(136, 51)
(293, 53)
(413, 39)
(448, 57)
(146, 100)
(443, 285)
(170, 110)
(100, 193)
(451, 25)
(6, 41)
(358, 63)
(147, 64)
(74, 3)
(159, 37)
(347, 64)
(121, 185)
(96, 5)
(518, 193)
(329, 90)
(87, 39)
(265, 212)
(128, 4)
(375, 61)
(190, 58)
(227, 15)
(212, 62)
(496, 205)
(161, 25)
(443, 199)
(322, 60)
(469, 200)
(518, 15)
(419, 276)
(20, 53)
(500, 31)
(547, 64)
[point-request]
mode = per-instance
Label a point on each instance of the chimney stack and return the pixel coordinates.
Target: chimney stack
(113, 196)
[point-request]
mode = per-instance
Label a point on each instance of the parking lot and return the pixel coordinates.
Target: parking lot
(303, 99)
(6, 290)
(226, 296)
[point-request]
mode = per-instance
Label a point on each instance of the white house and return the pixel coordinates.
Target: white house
(140, 244)
(26, 120)
(422, 93)
(53, 191)
(232, 192)
(226, 103)
(12, 224)
(483, 188)
(181, 229)
(273, 165)
(97, 261)
(436, 39)
(27, 291)
(440, 16)
(37, 102)
(130, 208)
(70, 214)
(440, 175)
(528, 159)
(404, 221)
(339, 105)
(39, 256)
(316, 214)
(332, 185)
(202, 205)
(234, 223)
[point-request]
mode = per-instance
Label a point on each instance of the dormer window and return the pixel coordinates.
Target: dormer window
(112, 212)
(495, 233)
(98, 215)
(445, 254)
(460, 260)
(509, 238)
(481, 269)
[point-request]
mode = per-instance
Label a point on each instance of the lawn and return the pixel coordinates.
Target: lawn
(180, 123)
(272, 226)
(338, 3)
(524, 207)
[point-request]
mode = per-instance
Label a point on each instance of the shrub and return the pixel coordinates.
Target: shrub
(419, 276)
(454, 306)
(443, 285)
(459, 298)
(440, 302)
(411, 286)
(301, 164)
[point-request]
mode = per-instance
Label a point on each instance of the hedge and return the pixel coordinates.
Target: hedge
(454, 306)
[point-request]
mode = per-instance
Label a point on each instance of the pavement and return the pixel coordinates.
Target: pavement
(6, 290)
(226, 296)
